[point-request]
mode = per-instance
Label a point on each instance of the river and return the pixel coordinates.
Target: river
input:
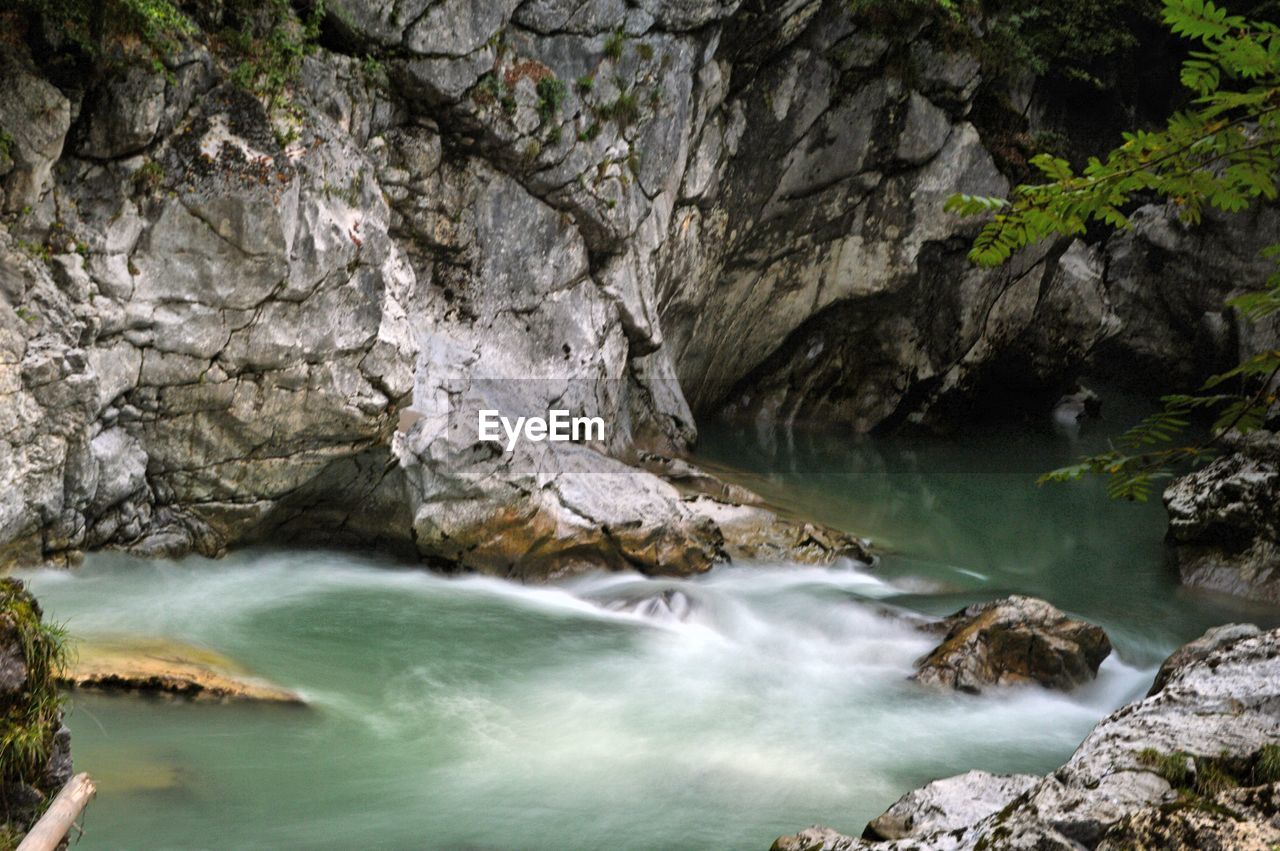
(468, 713)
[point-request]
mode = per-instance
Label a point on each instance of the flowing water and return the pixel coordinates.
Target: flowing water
(470, 713)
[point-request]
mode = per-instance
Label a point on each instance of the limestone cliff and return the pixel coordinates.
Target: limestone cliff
(227, 318)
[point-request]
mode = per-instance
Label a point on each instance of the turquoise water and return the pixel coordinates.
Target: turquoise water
(469, 713)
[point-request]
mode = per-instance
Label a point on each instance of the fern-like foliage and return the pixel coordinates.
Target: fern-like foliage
(1222, 152)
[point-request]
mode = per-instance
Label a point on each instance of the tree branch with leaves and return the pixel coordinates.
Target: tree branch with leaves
(1221, 152)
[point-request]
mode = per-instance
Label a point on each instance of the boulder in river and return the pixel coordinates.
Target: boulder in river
(1014, 641)
(1194, 765)
(169, 669)
(1224, 523)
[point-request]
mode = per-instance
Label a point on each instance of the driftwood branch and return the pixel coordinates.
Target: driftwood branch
(58, 820)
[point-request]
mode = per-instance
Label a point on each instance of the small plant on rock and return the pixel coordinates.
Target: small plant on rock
(613, 45)
(148, 177)
(551, 93)
(28, 724)
(1266, 768)
(624, 110)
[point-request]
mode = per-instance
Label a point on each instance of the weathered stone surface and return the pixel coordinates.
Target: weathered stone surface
(948, 804)
(168, 669)
(1202, 647)
(127, 114)
(1014, 641)
(1218, 711)
(816, 838)
(1231, 820)
(732, 206)
(1168, 284)
(35, 117)
(1224, 521)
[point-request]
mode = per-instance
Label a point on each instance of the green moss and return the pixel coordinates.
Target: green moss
(644, 50)
(585, 83)
(1212, 778)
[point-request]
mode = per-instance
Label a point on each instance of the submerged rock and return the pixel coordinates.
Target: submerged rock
(668, 605)
(169, 669)
(1194, 765)
(1014, 641)
(1224, 521)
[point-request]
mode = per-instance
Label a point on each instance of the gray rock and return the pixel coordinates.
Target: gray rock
(1168, 284)
(1224, 523)
(121, 467)
(36, 117)
(1231, 820)
(817, 838)
(1194, 651)
(949, 804)
(925, 130)
(125, 114)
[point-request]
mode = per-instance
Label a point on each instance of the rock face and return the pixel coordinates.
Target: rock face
(224, 318)
(1194, 765)
(1014, 641)
(221, 323)
(1224, 521)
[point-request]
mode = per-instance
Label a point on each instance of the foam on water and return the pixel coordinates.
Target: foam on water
(538, 717)
(618, 711)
